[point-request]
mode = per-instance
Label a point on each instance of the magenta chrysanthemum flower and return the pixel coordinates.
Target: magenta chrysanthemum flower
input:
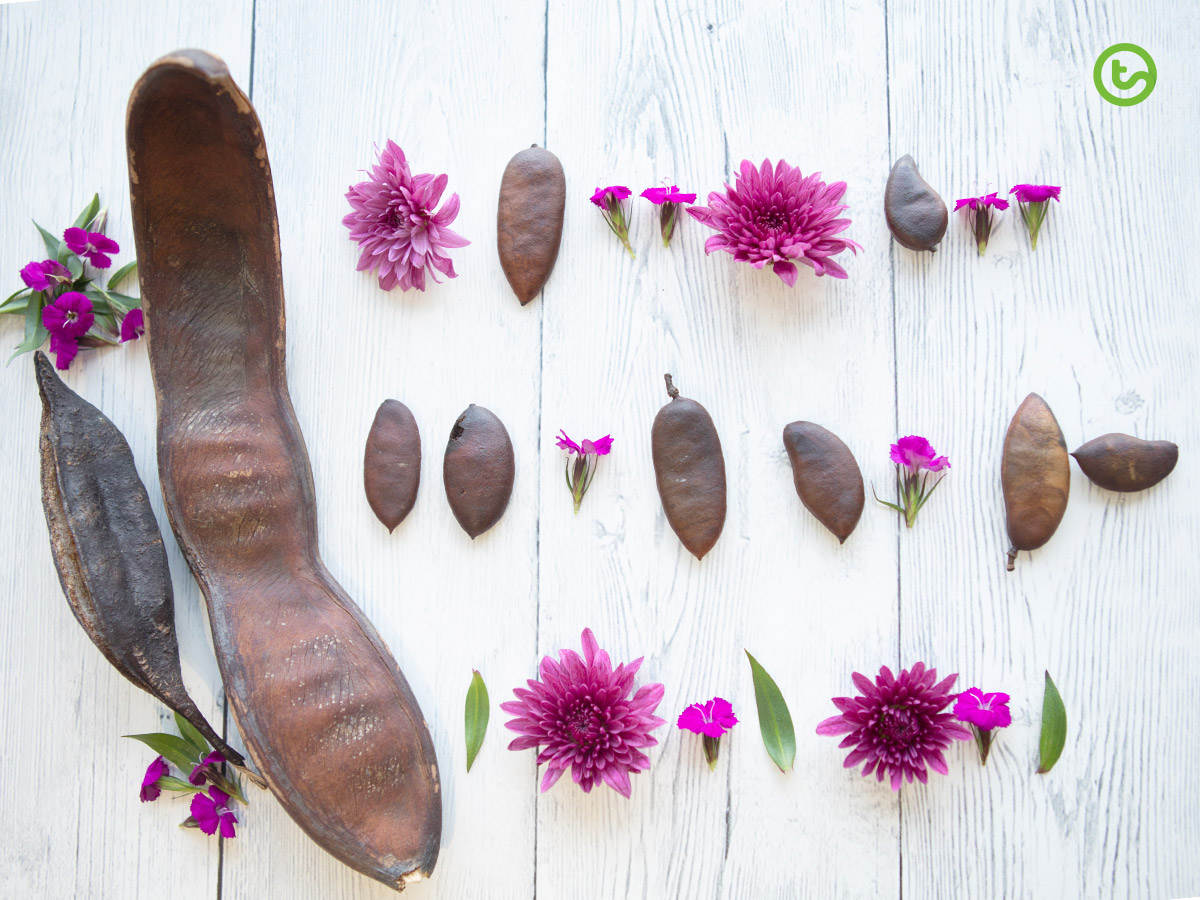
(983, 712)
(580, 473)
(212, 810)
(133, 325)
(581, 715)
(896, 725)
(711, 720)
(70, 315)
(94, 246)
(45, 275)
(776, 215)
(150, 789)
(1034, 202)
(916, 453)
(980, 217)
(395, 224)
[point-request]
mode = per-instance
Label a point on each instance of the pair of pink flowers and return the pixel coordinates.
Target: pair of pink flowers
(1033, 200)
(611, 201)
(211, 809)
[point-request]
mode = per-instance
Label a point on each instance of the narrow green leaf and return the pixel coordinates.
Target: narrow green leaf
(477, 714)
(1054, 728)
(53, 245)
(189, 733)
(35, 331)
(16, 303)
(175, 749)
(119, 275)
(171, 783)
(100, 304)
(774, 720)
(89, 213)
(75, 267)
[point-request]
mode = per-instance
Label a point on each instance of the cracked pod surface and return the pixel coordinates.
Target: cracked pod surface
(324, 710)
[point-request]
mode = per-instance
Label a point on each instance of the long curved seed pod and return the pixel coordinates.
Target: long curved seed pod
(690, 471)
(108, 549)
(1035, 475)
(321, 704)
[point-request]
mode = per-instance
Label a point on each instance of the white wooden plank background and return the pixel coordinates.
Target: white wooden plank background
(1101, 320)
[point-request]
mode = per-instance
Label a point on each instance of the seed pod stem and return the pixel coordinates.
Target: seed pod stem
(672, 391)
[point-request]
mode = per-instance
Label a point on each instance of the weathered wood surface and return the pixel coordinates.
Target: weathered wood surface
(1100, 321)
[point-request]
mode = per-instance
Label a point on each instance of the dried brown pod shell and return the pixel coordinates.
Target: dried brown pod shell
(689, 468)
(392, 463)
(478, 470)
(1121, 462)
(529, 219)
(827, 477)
(1035, 475)
(324, 710)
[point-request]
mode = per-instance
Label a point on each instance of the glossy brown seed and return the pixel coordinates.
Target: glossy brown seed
(108, 549)
(478, 470)
(392, 463)
(690, 470)
(323, 708)
(529, 219)
(827, 476)
(1035, 475)
(916, 215)
(1121, 462)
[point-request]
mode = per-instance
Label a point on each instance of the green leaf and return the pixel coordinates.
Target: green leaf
(75, 267)
(53, 245)
(175, 749)
(120, 274)
(774, 720)
(477, 714)
(89, 213)
(1054, 728)
(35, 331)
(189, 733)
(171, 783)
(100, 304)
(15, 303)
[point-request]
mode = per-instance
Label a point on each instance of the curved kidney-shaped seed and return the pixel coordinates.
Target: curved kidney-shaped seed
(690, 470)
(392, 463)
(915, 213)
(478, 470)
(529, 219)
(827, 477)
(108, 549)
(1122, 462)
(1035, 475)
(324, 710)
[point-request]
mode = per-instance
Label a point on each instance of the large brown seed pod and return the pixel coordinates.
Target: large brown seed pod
(827, 477)
(690, 470)
(1121, 462)
(1035, 475)
(108, 549)
(324, 710)
(529, 219)
(392, 463)
(916, 214)
(478, 470)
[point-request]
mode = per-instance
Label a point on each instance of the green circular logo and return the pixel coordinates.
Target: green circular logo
(1116, 67)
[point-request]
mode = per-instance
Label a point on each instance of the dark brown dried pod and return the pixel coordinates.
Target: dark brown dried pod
(827, 477)
(478, 470)
(324, 710)
(108, 549)
(529, 219)
(1121, 462)
(392, 463)
(690, 470)
(1035, 475)
(916, 215)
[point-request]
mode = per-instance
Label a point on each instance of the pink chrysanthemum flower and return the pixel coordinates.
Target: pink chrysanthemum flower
(896, 726)
(776, 215)
(581, 714)
(395, 224)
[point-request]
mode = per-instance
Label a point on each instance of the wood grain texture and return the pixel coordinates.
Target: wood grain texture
(1100, 321)
(1095, 322)
(65, 75)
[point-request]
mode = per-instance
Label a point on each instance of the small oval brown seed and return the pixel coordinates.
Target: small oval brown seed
(827, 477)
(916, 215)
(529, 219)
(1035, 475)
(690, 470)
(392, 463)
(1121, 462)
(478, 470)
